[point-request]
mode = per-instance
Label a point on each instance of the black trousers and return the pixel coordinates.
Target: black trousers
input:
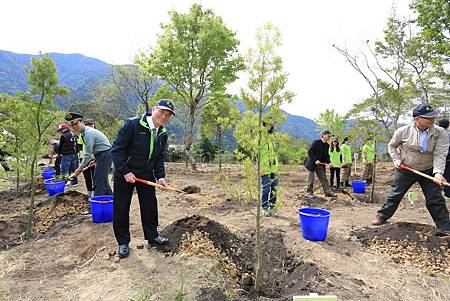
(103, 166)
(435, 203)
(58, 165)
(447, 177)
(89, 178)
(123, 192)
(337, 171)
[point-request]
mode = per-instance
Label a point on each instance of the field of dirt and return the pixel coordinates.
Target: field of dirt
(211, 251)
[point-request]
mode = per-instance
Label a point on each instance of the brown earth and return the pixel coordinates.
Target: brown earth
(210, 256)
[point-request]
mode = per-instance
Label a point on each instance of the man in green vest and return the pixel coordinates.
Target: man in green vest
(346, 162)
(269, 170)
(368, 155)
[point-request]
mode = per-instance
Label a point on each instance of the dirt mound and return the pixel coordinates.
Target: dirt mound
(220, 236)
(191, 189)
(409, 243)
(12, 201)
(13, 214)
(283, 274)
(55, 208)
(11, 230)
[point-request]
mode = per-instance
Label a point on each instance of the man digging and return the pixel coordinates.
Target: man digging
(423, 146)
(138, 152)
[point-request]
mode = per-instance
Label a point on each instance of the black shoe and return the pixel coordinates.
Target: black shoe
(158, 240)
(124, 251)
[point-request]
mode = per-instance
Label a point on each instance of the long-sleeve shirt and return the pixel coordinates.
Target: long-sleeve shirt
(404, 146)
(335, 157)
(368, 152)
(94, 142)
(346, 154)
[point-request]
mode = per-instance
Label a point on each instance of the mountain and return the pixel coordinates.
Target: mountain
(300, 127)
(75, 71)
(79, 73)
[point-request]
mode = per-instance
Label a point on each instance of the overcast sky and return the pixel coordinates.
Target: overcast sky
(114, 30)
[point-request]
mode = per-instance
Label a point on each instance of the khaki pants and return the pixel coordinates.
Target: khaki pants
(346, 171)
(367, 170)
(321, 174)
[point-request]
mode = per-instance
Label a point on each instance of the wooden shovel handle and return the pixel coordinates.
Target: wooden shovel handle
(421, 173)
(150, 183)
(92, 164)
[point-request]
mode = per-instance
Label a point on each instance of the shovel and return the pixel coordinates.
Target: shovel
(150, 183)
(421, 174)
(92, 164)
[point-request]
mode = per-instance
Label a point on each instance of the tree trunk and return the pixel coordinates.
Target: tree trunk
(219, 148)
(33, 192)
(189, 140)
(17, 177)
(258, 247)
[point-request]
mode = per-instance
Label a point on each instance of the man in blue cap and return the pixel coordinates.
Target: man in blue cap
(138, 151)
(423, 146)
(97, 144)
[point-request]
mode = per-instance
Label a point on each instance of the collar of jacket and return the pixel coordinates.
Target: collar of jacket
(431, 131)
(143, 123)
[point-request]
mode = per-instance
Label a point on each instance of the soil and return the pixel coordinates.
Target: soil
(211, 250)
(410, 243)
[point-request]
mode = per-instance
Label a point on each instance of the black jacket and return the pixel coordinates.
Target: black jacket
(317, 151)
(67, 143)
(132, 151)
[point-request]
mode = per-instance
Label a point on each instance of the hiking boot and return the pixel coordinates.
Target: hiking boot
(266, 212)
(377, 221)
(123, 251)
(158, 240)
(274, 213)
(347, 184)
(310, 195)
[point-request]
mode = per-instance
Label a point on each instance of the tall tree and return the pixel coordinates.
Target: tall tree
(433, 18)
(44, 89)
(385, 70)
(265, 92)
(128, 77)
(330, 120)
(15, 130)
(217, 117)
(196, 55)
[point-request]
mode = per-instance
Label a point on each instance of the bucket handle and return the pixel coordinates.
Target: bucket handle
(310, 214)
(103, 202)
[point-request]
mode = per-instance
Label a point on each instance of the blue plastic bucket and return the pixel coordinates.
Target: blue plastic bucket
(46, 168)
(48, 174)
(54, 187)
(314, 223)
(102, 208)
(359, 186)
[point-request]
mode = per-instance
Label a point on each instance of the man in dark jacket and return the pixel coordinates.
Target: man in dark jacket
(67, 149)
(138, 151)
(316, 161)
